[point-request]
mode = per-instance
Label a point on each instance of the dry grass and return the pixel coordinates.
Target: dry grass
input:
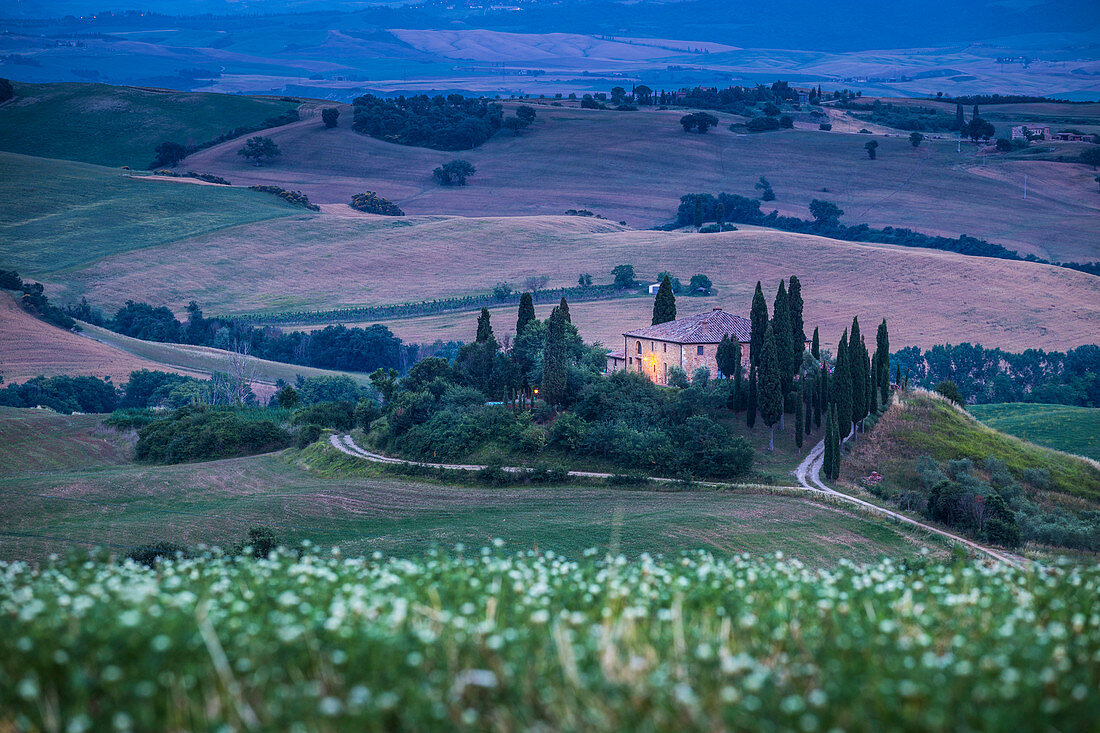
(928, 297)
(635, 166)
(30, 347)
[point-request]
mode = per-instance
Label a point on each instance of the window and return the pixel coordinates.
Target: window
(630, 360)
(666, 348)
(699, 350)
(652, 346)
(638, 345)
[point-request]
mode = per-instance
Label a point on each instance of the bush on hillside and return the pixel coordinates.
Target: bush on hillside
(295, 197)
(372, 203)
(200, 432)
(454, 173)
(335, 415)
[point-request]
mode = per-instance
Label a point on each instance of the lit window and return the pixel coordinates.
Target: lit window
(699, 350)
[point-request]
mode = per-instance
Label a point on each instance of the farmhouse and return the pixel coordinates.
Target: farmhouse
(1075, 137)
(687, 343)
(1031, 132)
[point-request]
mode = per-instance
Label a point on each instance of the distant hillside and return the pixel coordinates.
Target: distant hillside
(1071, 429)
(116, 126)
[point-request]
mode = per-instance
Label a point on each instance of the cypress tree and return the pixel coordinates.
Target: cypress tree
(738, 394)
(526, 312)
(827, 463)
(798, 325)
(874, 386)
(799, 410)
(838, 442)
(868, 382)
(821, 398)
(664, 305)
(858, 372)
(750, 406)
(759, 318)
(484, 328)
(882, 348)
(840, 393)
(769, 393)
(781, 324)
(553, 360)
(807, 404)
(728, 356)
(564, 308)
(815, 347)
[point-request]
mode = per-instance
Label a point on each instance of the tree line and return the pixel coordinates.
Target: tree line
(453, 122)
(702, 207)
(169, 153)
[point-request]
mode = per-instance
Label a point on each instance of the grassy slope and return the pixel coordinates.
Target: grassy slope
(635, 166)
(122, 505)
(1071, 429)
(923, 425)
(41, 440)
(55, 214)
(97, 123)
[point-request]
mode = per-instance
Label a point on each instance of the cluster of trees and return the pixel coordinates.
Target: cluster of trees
(521, 120)
(960, 498)
(371, 203)
(991, 375)
(545, 395)
(735, 99)
(62, 394)
(454, 173)
(698, 121)
(170, 153)
(333, 347)
(33, 299)
(453, 122)
(294, 197)
(696, 208)
(202, 433)
(903, 117)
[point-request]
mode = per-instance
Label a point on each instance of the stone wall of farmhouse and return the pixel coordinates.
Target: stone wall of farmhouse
(655, 358)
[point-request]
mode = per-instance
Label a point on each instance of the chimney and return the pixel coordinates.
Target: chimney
(716, 308)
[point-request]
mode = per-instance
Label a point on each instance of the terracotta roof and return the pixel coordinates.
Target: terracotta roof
(616, 355)
(704, 328)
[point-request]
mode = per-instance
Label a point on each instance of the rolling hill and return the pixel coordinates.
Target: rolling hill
(116, 126)
(634, 166)
(1066, 428)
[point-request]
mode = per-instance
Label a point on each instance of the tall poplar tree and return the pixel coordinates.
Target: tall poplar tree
(781, 324)
(758, 317)
(554, 368)
(526, 312)
(484, 327)
(840, 392)
(750, 402)
(770, 391)
(664, 305)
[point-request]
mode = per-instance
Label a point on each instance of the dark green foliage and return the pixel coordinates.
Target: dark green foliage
(526, 313)
(698, 121)
(143, 321)
(923, 119)
(728, 356)
(203, 433)
(786, 122)
(830, 445)
(554, 369)
(882, 350)
(821, 394)
(795, 306)
(961, 499)
(977, 128)
(150, 555)
(1091, 156)
(169, 154)
(857, 364)
(329, 116)
(770, 392)
(287, 397)
(798, 418)
(307, 435)
(454, 173)
(260, 149)
(758, 316)
(699, 285)
(915, 139)
(334, 415)
(664, 304)
(841, 386)
(10, 280)
(762, 124)
(623, 276)
(825, 212)
(765, 188)
(7, 91)
(329, 388)
(484, 327)
(815, 346)
(948, 389)
(262, 541)
(295, 197)
(148, 388)
(451, 123)
(371, 203)
(62, 394)
(781, 325)
(34, 301)
(871, 146)
(751, 400)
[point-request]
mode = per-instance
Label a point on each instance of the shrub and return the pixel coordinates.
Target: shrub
(372, 203)
(203, 433)
(307, 435)
(335, 415)
(454, 173)
(948, 389)
(826, 126)
(295, 197)
(150, 555)
(762, 124)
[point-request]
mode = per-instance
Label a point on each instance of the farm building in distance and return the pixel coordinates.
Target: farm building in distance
(1071, 137)
(1031, 132)
(687, 343)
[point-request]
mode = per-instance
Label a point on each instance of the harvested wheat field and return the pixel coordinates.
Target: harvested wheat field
(929, 297)
(635, 166)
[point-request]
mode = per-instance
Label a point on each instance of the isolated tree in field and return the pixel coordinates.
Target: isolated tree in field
(664, 305)
(484, 327)
(770, 391)
(841, 386)
(623, 276)
(642, 94)
(699, 285)
(698, 121)
(526, 312)
(329, 115)
(584, 280)
(526, 114)
(915, 139)
(260, 149)
(758, 317)
(871, 146)
(765, 188)
(728, 356)
(169, 153)
(1097, 179)
(825, 213)
(454, 173)
(554, 368)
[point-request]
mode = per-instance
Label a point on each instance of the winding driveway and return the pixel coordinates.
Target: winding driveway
(808, 473)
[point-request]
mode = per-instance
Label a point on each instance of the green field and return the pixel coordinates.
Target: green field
(501, 640)
(65, 483)
(1071, 429)
(116, 126)
(58, 215)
